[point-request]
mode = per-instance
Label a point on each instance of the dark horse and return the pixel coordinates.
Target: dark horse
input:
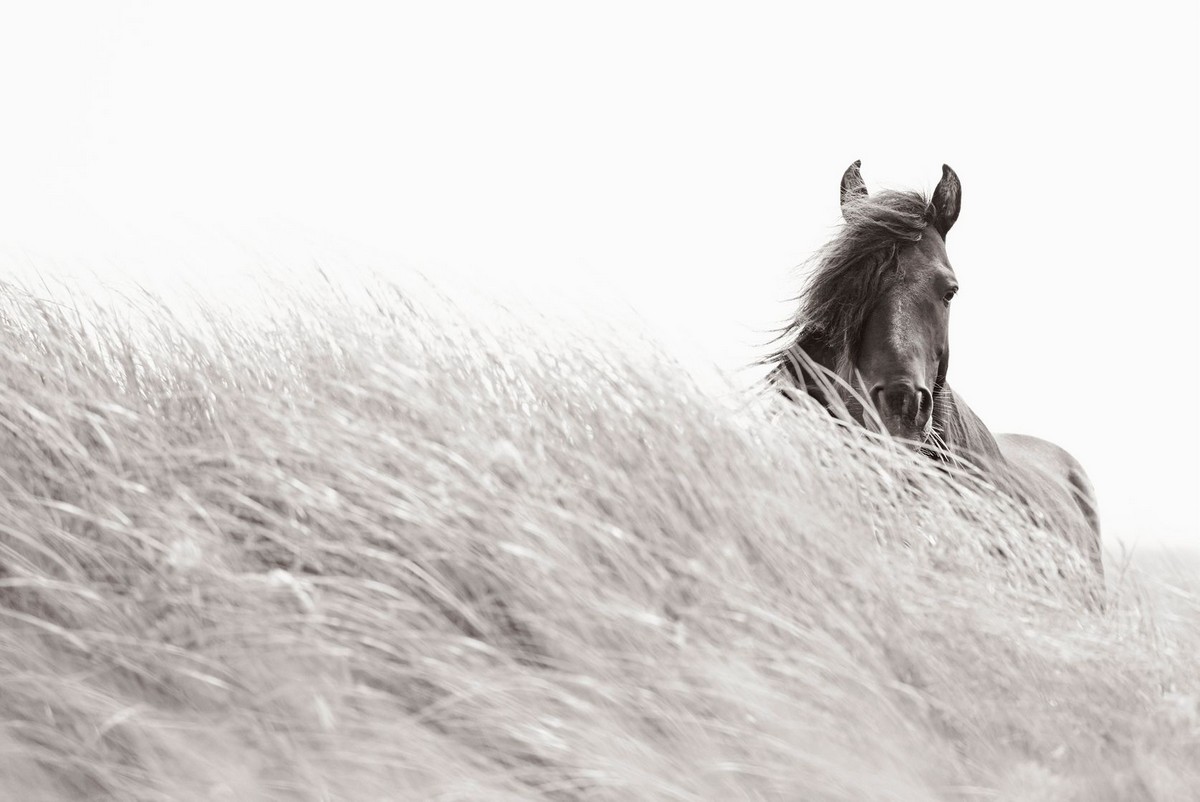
(870, 342)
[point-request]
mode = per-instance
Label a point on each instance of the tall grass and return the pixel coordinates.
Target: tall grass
(371, 544)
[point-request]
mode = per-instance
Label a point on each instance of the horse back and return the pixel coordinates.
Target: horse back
(1059, 479)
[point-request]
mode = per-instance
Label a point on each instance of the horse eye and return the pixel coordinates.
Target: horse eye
(949, 296)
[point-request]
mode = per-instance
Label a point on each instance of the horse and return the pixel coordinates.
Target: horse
(870, 342)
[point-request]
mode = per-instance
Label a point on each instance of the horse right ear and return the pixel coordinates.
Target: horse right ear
(853, 187)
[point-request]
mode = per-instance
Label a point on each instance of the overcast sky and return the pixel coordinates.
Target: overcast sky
(685, 160)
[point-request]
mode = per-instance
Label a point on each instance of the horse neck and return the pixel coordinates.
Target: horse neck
(963, 432)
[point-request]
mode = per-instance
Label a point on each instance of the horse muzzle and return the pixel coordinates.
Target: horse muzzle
(904, 408)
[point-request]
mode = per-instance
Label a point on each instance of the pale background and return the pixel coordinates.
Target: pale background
(681, 159)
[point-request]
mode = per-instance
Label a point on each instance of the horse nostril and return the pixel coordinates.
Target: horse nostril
(924, 405)
(877, 398)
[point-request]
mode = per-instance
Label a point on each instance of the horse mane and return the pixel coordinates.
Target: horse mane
(960, 431)
(845, 279)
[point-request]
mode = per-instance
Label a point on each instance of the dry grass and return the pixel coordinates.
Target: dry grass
(367, 547)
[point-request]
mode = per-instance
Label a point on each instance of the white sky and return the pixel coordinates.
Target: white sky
(678, 156)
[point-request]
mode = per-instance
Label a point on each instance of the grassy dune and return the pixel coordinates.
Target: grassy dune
(367, 547)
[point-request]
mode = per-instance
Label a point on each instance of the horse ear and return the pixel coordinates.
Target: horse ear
(947, 198)
(853, 187)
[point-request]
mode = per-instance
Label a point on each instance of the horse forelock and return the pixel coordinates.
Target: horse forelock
(848, 275)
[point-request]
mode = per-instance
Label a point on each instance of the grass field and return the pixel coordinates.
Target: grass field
(372, 544)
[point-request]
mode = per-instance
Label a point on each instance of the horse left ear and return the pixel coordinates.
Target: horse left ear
(853, 187)
(947, 199)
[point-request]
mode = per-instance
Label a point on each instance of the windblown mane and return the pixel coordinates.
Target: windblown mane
(845, 280)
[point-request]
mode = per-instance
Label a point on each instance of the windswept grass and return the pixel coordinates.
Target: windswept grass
(371, 545)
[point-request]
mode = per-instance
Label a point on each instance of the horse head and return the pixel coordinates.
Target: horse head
(903, 350)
